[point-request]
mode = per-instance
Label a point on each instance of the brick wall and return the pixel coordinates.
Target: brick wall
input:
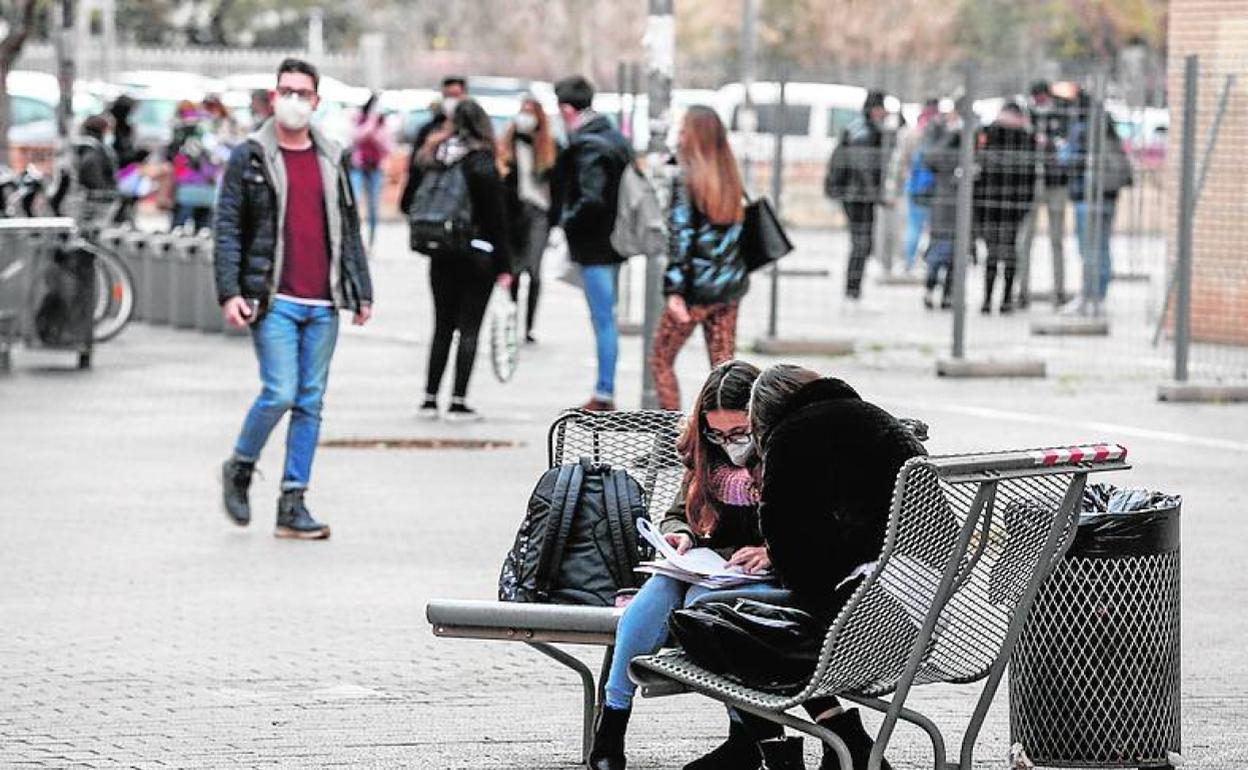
(1217, 31)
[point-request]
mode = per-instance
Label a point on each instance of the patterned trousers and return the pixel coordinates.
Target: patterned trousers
(719, 327)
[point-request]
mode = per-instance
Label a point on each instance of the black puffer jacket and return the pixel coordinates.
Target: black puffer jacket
(586, 189)
(1006, 183)
(830, 465)
(249, 250)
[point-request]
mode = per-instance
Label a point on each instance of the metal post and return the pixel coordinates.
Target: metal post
(108, 10)
(777, 187)
(746, 120)
(621, 83)
(962, 243)
(660, 45)
(1094, 197)
(63, 42)
(1187, 186)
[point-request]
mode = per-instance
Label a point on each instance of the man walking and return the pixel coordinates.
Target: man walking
(1050, 122)
(855, 176)
(288, 258)
(586, 190)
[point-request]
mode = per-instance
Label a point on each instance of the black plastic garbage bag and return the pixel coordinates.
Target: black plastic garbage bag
(63, 299)
(1116, 523)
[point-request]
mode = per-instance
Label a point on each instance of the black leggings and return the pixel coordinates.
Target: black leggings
(861, 216)
(461, 291)
(533, 231)
(1001, 239)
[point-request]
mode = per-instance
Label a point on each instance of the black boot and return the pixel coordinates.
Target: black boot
(294, 521)
(782, 754)
(848, 727)
(740, 751)
(235, 483)
(608, 750)
(1007, 298)
(990, 280)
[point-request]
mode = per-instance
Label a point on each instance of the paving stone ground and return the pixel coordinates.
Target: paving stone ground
(138, 628)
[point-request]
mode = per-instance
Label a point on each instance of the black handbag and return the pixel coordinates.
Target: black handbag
(763, 646)
(763, 239)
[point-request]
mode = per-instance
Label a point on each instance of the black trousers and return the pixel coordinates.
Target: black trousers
(1001, 238)
(461, 291)
(861, 216)
(533, 231)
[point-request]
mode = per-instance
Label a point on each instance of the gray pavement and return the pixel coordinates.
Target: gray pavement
(140, 628)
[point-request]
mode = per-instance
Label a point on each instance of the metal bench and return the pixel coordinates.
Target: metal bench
(642, 443)
(970, 540)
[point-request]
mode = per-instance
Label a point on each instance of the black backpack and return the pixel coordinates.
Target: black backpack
(578, 543)
(441, 213)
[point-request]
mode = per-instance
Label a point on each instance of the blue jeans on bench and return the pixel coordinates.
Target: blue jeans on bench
(643, 628)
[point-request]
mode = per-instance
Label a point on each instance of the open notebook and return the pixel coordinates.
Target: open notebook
(697, 566)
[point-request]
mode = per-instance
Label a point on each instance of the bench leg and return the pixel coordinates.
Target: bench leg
(914, 718)
(588, 691)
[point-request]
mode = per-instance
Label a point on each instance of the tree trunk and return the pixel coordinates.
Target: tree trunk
(4, 112)
(10, 49)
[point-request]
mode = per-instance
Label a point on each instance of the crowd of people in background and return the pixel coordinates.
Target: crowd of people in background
(1038, 154)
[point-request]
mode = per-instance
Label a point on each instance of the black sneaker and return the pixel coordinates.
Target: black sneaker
(461, 412)
(429, 409)
(529, 339)
(235, 483)
(294, 521)
(848, 727)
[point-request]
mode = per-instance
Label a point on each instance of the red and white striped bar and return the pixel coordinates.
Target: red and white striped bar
(1096, 453)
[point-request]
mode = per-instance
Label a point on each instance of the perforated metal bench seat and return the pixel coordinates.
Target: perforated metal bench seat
(473, 619)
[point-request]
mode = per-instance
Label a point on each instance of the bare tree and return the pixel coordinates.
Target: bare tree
(20, 16)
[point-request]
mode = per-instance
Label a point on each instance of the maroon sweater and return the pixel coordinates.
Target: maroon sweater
(305, 271)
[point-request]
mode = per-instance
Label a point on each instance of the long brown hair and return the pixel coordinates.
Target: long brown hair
(727, 387)
(543, 141)
(470, 122)
(769, 396)
(710, 168)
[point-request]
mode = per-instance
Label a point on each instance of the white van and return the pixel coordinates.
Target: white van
(815, 114)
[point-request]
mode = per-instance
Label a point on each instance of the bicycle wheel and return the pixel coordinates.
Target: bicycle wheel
(114, 298)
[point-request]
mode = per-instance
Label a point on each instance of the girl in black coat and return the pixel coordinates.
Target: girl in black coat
(462, 283)
(1003, 195)
(830, 461)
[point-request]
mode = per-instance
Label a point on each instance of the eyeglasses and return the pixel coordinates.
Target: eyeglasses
(303, 93)
(736, 438)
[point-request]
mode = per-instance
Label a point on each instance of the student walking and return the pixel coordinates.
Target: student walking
(288, 257)
(1003, 195)
(855, 176)
(706, 273)
(454, 90)
(460, 185)
(370, 145)
(587, 186)
(527, 158)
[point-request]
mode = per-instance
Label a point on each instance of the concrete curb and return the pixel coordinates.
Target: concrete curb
(1202, 393)
(1071, 327)
(801, 347)
(964, 368)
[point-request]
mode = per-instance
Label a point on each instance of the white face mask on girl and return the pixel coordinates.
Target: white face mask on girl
(526, 122)
(740, 454)
(292, 112)
(449, 105)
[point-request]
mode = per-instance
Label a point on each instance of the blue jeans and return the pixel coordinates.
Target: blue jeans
(1097, 268)
(643, 629)
(201, 216)
(600, 291)
(367, 184)
(917, 215)
(294, 344)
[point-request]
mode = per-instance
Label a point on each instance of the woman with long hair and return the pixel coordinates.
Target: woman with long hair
(717, 509)
(370, 145)
(526, 158)
(706, 273)
(462, 282)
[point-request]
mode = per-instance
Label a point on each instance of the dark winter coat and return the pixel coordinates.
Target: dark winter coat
(1052, 123)
(96, 165)
(861, 151)
(250, 212)
(705, 264)
(586, 189)
(1006, 182)
(830, 465)
(1076, 157)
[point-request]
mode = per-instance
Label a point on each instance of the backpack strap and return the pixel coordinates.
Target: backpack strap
(612, 494)
(563, 504)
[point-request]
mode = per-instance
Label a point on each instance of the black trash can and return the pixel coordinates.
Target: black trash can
(62, 300)
(1094, 680)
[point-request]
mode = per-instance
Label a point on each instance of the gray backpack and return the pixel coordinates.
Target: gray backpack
(640, 227)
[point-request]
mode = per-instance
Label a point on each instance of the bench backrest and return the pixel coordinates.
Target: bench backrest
(968, 534)
(643, 443)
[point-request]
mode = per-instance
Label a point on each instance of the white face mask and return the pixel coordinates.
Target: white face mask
(740, 454)
(449, 104)
(292, 112)
(526, 122)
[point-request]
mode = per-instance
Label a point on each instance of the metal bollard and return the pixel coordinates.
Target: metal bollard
(207, 311)
(133, 252)
(185, 255)
(160, 271)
